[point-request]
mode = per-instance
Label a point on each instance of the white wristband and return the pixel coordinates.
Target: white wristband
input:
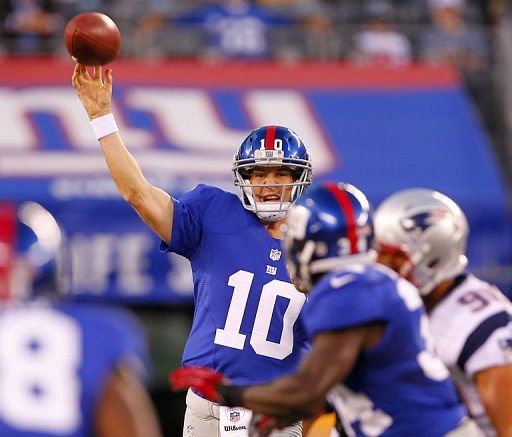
(104, 125)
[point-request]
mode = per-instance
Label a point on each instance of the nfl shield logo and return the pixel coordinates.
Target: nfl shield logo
(234, 415)
(275, 255)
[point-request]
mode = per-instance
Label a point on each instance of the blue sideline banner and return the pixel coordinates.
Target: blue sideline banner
(382, 130)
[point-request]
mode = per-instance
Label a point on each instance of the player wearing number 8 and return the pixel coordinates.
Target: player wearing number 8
(422, 234)
(370, 355)
(66, 368)
(246, 321)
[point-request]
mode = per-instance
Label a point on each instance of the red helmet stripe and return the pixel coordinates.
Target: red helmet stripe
(348, 212)
(270, 137)
(7, 243)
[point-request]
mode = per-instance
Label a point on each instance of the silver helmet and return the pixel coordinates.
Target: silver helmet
(429, 229)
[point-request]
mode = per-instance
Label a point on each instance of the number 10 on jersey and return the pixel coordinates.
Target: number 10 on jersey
(230, 335)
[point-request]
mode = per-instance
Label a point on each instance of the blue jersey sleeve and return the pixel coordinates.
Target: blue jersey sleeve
(302, 334)
(110, 338)
(331, 307)
(187, 222)
(132, 348)
(122, 338)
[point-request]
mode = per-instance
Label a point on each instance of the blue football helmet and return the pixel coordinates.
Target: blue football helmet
(327, 227)
(32, 259)
(272, 146)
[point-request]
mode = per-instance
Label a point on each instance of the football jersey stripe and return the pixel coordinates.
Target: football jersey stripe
(7, 242)
(348, 212)
(480, 335)
(270, 137)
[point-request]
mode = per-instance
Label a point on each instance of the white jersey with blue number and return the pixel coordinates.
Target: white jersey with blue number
(55, 361)
(472, 331)
(398, 387)
(246, 321)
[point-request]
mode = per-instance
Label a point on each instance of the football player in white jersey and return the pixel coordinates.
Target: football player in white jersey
(422, 234)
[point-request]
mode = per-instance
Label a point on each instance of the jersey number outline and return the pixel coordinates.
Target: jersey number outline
(230, 335)
(39, 359)
(357, 407)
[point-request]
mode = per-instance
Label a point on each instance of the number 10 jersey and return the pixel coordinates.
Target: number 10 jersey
(247, 313)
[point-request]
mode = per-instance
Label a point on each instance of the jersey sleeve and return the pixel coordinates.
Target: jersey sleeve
(331, 307)
(129, 347)
(303, 338)
(489, 345)
(187, 222)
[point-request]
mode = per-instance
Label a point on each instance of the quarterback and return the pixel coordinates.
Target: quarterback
(246, 321)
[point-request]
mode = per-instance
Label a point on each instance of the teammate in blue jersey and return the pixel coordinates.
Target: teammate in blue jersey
(246, 322)
(371, 355)
(66, 369)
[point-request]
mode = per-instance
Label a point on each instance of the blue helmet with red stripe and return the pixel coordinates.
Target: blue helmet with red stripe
(272, 146)
(32, 259)
(328, 226)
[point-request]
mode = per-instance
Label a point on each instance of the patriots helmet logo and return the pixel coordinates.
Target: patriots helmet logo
(416, 224)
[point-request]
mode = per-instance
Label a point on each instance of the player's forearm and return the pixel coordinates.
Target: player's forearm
(283, 400)
(498, 411)
(504, 430)
(287, 397)
(303, 393)
(123, 167)
(153, 205)
(493, 388)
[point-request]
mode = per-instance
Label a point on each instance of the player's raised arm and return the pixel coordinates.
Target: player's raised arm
(152, 204)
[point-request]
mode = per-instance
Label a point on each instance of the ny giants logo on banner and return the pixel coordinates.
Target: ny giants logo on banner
(44, 131)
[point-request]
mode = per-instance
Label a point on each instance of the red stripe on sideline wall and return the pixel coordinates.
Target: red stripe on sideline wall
(181, 72)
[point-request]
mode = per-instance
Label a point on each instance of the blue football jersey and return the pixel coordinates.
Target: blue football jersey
(55, 361)
(399, 387)
(246, 321)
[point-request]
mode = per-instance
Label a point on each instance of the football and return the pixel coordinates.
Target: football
(92, 38)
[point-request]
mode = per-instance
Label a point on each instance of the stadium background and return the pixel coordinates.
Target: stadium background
(186, 94)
